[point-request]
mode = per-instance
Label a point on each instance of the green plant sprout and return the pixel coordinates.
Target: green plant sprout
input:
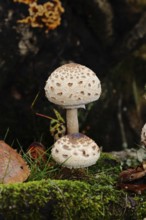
(39, 169)
(57, 125)
(6, 134)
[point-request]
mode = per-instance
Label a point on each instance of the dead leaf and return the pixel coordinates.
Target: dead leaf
(13, 168)
(132, 174)
(137, 188)
(133, 179)
(37, 152)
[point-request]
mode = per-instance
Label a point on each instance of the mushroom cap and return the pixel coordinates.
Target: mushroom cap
(75, 151)
(143, 135)
(72, 85)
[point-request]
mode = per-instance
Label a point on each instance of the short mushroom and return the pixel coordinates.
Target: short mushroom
(72, 86)
(75, 151)
(143, 135)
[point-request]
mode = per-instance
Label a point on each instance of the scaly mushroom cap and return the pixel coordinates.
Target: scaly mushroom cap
(143, 135)
(72, 85)
(75, 151)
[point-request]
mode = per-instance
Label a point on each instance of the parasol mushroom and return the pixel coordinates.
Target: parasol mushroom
(71, 86)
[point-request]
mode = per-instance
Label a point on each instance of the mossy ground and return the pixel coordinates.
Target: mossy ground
(82, 194)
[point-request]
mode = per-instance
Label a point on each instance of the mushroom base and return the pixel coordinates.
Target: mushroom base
(71, 162)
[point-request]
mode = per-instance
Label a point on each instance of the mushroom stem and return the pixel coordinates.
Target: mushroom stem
(72, 121)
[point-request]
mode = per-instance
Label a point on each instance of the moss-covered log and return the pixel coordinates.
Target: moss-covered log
(93, 198)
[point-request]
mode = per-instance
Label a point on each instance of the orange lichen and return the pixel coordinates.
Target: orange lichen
(27, 2)
(47, 15)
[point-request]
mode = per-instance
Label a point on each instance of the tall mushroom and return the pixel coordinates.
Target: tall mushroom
(72, 86)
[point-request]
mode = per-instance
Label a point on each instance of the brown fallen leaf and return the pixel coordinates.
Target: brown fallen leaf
(132, 174)
(137, 188)
(37, 152)
(13, 168)
(133, 179)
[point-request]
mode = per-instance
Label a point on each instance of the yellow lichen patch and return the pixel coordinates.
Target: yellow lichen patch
(27, 2)
(47, 15)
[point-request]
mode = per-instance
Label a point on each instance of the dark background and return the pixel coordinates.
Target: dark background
(108, 36)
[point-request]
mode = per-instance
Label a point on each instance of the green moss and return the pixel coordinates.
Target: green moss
(95, 198)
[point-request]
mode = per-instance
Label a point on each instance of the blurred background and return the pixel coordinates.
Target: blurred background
(108, 36)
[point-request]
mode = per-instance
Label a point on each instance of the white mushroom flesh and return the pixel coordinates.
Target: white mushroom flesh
(75, 151)
(72, 85)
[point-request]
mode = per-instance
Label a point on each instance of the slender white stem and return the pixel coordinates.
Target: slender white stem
(72, 121)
